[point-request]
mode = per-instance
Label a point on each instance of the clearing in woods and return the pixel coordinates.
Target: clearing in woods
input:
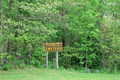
(52, 74)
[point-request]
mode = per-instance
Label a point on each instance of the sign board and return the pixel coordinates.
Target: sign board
(52, 46)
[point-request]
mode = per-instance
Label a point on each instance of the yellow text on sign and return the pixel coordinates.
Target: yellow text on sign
(52, 46)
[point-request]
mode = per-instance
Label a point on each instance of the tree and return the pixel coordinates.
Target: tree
(1, 17)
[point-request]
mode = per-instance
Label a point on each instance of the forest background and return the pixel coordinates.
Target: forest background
(88, 29)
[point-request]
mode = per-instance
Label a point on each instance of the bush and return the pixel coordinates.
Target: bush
(6, 67)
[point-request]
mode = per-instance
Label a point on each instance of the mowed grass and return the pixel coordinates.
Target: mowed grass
(52, 74)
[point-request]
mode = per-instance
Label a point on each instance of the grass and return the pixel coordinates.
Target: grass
(52, 74)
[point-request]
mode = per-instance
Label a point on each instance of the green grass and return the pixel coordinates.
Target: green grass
(50, 74)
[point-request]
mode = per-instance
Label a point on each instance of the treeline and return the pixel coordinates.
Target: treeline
(88, 29)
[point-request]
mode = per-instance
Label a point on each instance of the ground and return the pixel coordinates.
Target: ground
(52, 74)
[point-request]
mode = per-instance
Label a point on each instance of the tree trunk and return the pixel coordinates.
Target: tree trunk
(30, 53)
(103, 60)
(86, 53)
(1, 30)
(63, 36)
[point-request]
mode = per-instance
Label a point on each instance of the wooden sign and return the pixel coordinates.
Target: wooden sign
(52, 46)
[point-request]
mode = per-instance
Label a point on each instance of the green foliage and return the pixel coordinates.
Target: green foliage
(89, 29)
(68, 56)
(6, 67)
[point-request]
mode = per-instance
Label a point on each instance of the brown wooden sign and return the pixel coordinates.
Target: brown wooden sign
(52, 46)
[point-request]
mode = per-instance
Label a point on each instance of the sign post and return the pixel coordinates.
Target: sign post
(57, 60)
(50, 47)
(47, 60)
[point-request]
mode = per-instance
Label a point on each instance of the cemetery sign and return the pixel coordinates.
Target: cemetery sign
(52, 46)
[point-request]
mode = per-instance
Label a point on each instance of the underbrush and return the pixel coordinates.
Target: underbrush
(52, 65)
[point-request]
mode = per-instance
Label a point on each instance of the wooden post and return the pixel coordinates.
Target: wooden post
(47, 60)
(57, 60)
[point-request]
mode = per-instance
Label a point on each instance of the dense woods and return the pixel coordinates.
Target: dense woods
(88, 29)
